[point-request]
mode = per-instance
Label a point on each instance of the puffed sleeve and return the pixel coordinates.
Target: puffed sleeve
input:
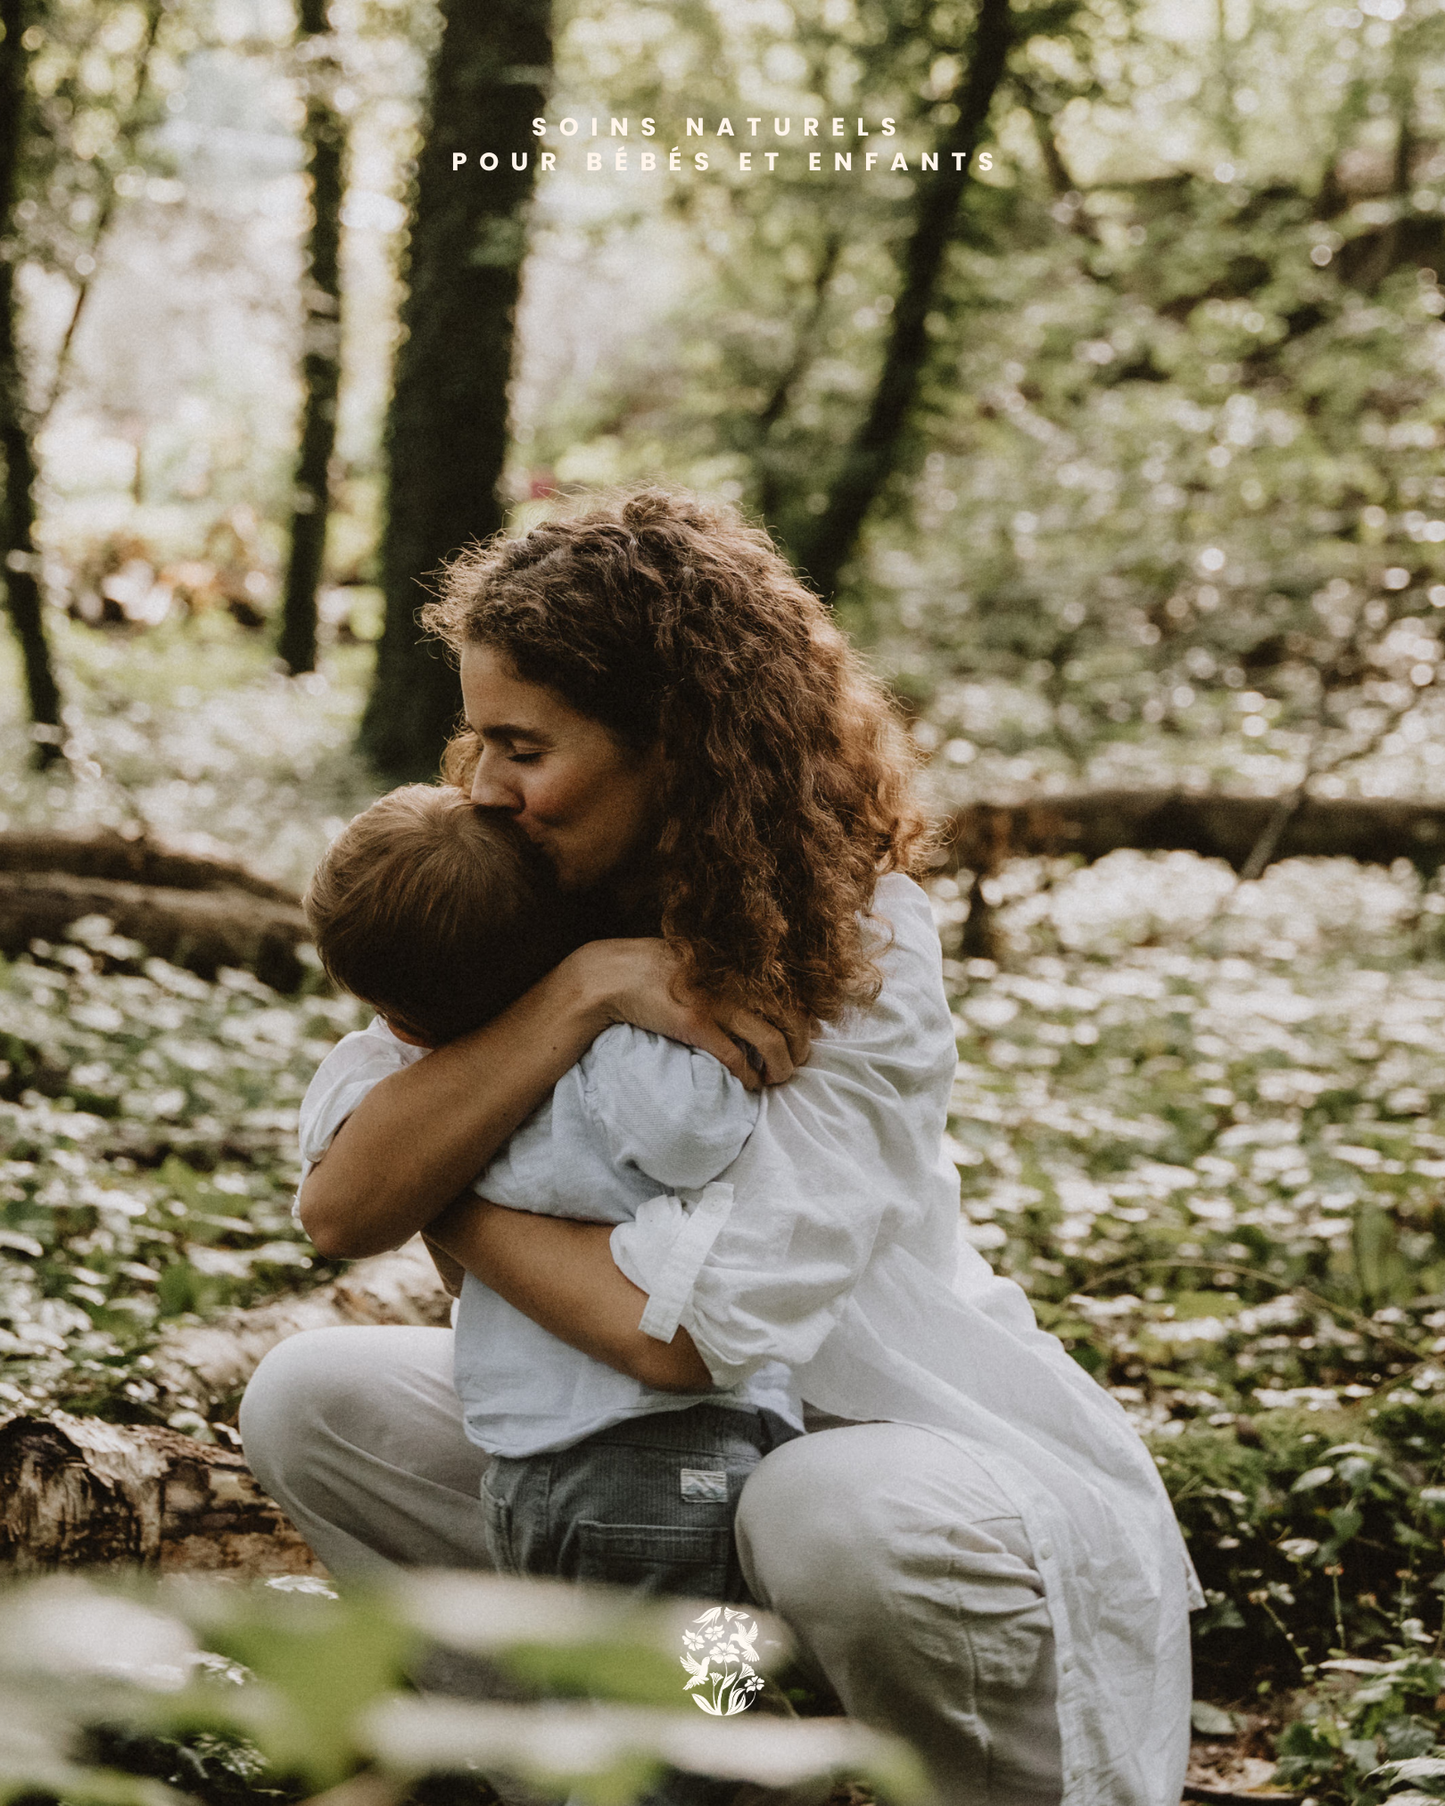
(672, 1112)
(842, 1155)
(356, 1063)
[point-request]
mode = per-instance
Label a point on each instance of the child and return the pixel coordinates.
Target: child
(440, 915)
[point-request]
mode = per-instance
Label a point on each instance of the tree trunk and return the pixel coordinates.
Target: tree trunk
(103, 853)
(76, 1492)
(1372, 830)
(870, 459)
(447, 428)
(201, 930)
(325, 133)
(17, 541)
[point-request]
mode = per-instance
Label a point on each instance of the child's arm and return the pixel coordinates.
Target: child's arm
(673, 1112)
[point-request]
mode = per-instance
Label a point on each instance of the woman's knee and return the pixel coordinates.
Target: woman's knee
(880, 1516)
(805, 1534)
(326, 1398)
(292, 1397)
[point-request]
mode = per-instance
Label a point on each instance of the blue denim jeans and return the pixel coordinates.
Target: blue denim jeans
(647, 1504)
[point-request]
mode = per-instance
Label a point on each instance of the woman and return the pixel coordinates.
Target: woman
(975, 1547)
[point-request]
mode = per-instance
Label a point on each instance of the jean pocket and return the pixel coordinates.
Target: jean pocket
(497, 1530)
(657, 1558)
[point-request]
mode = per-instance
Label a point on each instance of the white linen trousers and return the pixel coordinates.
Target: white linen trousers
(903, 1570)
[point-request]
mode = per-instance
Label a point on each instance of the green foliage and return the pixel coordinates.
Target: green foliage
(1375, 1738)
(1213, 1160)
(1312, 1536)
(148, 1122)
(1171, 496)
(230, 1692)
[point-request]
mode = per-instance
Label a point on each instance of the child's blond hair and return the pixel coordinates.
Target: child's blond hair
(436, 913)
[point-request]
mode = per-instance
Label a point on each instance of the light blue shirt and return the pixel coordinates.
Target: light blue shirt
(639, 1119)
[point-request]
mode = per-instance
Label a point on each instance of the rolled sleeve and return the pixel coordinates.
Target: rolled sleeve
(663, 1249)
(843, 1157)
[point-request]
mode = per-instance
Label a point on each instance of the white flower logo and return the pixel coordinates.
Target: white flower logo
(719, 1658)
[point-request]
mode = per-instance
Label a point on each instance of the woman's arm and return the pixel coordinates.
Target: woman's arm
(419, 1136)
(561, 1274)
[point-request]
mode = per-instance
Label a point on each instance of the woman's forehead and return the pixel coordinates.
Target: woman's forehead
(503, 704)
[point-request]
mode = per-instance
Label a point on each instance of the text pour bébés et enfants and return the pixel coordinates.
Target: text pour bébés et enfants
(569, 127)
(645, 160)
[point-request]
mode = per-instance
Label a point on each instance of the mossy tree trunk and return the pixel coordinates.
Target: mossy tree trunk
(325, 135)
(18, 552)
(447, 427)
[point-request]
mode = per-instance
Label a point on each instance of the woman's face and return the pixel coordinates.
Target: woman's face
(582, 797)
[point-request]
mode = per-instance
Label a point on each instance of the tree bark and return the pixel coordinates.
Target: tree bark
(447, 427)
(76, 1492)
(1372, 830)
(103, 853)
(21, 557)
(201, 930)
(870, 458)
(325, 136)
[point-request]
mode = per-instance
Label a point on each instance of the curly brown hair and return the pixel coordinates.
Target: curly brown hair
(788, 784)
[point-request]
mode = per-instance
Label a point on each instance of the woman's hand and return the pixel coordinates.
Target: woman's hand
(637, 981)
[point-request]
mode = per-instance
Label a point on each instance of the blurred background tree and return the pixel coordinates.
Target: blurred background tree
(325, 136)
(22, 586)
(446, 429)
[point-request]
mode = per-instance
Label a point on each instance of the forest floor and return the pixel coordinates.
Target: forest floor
(1203, 1125)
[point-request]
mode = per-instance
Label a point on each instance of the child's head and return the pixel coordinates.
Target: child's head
(435, 913)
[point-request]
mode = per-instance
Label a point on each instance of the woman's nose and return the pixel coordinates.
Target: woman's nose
(490, 788)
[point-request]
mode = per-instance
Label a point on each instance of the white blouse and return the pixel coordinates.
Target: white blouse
(840, 1252)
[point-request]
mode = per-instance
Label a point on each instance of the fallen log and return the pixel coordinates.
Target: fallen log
(130, 859)
(202, 930)
(1372, 830)
(202, 1365)
(76, 1492)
